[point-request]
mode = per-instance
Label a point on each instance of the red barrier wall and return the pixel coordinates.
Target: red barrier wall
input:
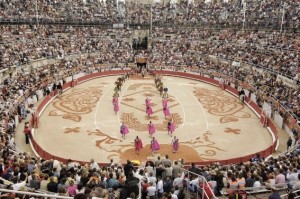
(264, 153)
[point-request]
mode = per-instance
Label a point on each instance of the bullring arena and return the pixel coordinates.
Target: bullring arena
(211, 124)
(226, 70)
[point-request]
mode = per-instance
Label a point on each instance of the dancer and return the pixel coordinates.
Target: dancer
(151, 129)
(171, 127)
(164, 102)
(116, 107)
(175, 144)
(166, 111)
(154, 146)
(124, 130)
(138, 145)
(149, 111)
(115, 99)
(147, 102)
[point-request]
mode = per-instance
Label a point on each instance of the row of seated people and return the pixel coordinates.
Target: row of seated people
(178, 12)
(157, 178)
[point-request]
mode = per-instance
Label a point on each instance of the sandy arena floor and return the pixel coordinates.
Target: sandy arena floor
(211, 124)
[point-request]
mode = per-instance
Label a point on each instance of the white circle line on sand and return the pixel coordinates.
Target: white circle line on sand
(202, 111)
(97, 107)
(183, 110)
(120, 102)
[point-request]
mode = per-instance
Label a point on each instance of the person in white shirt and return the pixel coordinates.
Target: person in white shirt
(152, 178)
(292, 177)
(257, 183)
(149, 168)
(178, 181)
(159, 187)
(193, 184)
(94, 165)
(173, 195)
(151, 190)
(297, 184)
(18, 185)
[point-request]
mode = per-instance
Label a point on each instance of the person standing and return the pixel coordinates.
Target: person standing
(154, 146)
(289, 143)
(124, 130)
(175, 144)
(115, 100)
(138, 145)
(151, 190)
(151, 129)
(164, 102)
(27, 132)
(116, 107)
(147, 102)
(171, 127)
(149, 111)
(159, 187)
(166, 111)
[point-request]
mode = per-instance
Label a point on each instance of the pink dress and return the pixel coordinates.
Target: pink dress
(171, 127)
(124, 130)
(164, 102)
(154, 145)
(138, 144)
(151, 129)
(116, 107)
(115, 100)
(166, 111)
(149, 110)
(147, 102)
(175, 144)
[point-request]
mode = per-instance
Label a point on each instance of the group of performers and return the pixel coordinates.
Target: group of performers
(154, 145)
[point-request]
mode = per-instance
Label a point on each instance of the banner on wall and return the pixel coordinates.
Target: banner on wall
(118, 25)
(267, 109)
(247, 92)
(278, 119)
(286, 81)
(236, 64)
(253, 98)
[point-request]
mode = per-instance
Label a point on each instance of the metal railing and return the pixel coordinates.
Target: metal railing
(203, 194)
(44, 195)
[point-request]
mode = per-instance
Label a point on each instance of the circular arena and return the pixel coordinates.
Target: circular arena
(208, 121)
(219, 78)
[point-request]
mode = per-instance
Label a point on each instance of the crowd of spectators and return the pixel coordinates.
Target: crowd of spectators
(157, 178)
(226, 13)
(24, 44)
(259, 57)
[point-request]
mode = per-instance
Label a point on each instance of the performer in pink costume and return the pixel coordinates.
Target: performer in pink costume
(124, 130)
(116, 107)
(166, 111)
(151, 129)
(175, 144)
(149, 111)
(147, 102)
(171, 127)
(138, 145)
(164, 102)
(154, 146)
(115, 100)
